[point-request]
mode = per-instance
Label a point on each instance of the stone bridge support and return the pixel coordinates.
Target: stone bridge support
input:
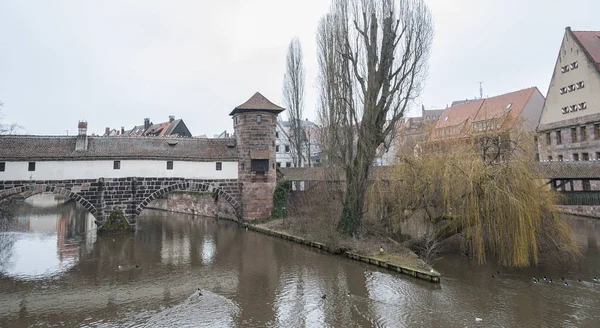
(129, 195)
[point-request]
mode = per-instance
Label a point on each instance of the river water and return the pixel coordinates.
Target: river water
(55, 271)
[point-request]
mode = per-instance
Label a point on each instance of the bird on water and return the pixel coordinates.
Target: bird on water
(199, 292)
(381, 249)
(324, 296)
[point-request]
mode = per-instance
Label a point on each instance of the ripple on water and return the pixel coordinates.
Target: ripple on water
(208, 310)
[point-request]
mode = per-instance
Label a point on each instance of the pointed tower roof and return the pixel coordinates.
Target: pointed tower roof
(257, 102)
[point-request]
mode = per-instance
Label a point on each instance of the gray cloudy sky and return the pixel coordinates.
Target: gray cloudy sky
(113, 63)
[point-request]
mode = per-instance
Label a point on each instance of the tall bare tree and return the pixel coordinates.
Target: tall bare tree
(373, 62)
(293, 97)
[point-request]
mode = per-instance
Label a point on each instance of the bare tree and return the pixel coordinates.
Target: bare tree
(293, 97)
(373, 59)
(7, 128)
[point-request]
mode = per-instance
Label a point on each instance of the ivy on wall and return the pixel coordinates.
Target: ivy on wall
(280, 197)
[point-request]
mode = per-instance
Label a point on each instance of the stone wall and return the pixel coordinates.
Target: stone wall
(589, 211)
(193, 202)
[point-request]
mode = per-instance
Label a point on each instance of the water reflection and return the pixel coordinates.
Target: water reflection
(43, 239)
(150, 279)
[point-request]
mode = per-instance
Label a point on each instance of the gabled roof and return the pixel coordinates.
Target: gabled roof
(590, 42)
(458, 114)
(257, 102)
(498, 106)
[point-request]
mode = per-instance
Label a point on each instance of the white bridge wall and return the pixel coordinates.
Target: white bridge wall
(71, 170)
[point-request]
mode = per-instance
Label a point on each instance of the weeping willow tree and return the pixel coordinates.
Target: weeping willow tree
(487, 189)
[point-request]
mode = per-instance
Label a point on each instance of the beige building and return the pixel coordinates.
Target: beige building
(569, 128)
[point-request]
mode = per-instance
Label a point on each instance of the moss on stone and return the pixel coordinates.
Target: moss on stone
(116, 222)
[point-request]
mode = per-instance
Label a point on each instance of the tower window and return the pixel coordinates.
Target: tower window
(558, 138)
(219, 166)
(548, 138)
(116, 165)
(583, 132)
(573, 134)
(260, 165)
(258, 118)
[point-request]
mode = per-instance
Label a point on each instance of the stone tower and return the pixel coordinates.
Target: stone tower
(254, 123)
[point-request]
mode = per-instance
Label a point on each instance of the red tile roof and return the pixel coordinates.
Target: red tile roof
(512, 103)
(590, 41)
(258, 102)
(455, 115)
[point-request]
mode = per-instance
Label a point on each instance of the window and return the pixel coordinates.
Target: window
(564, 69)
(219, 166)
(287, 148)
(563, 90)
(598, 155)
(260, 165)
(558, 138)
(573, 134)
(31, 166)
(550, 158)
(277, 135)
(580, 85)
(258, 118)
(575, 157)
(583, 105)
(585, 156)
(574, 65)
(597, 131)
(583, 132)
(235, 120)
(276, 149)
(116, 165)
(288, 164)
(571, 87)
(560, 158)
(548, 139)
(586, 186)
(169, 165)
(2, 166)
(278, 164)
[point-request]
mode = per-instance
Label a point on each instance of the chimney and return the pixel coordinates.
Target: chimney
(82, 126)
(82, 142)
(107, 132)
(146, 124)
(171, 118)
(122, 130)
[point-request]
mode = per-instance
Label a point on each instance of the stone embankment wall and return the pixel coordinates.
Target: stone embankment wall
(198, 203)
(590, 211)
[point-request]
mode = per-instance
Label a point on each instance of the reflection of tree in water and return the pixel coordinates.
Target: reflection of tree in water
(7, 239)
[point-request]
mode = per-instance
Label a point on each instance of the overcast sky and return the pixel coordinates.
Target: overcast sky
(113, 63)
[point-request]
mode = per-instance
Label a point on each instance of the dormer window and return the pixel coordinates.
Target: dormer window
(580, 85)
(563, 90)
(574, 65)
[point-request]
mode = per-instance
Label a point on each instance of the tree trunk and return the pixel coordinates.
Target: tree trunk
(357, 179)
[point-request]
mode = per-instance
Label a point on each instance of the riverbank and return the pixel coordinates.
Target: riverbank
(394, 256)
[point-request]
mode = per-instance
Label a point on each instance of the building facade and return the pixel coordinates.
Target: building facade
(569, 128)
(285, 152)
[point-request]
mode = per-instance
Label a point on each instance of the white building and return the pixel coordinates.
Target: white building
(285, 153)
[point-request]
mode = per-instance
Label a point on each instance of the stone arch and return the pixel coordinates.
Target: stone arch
(30, 190)
(191, 186)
